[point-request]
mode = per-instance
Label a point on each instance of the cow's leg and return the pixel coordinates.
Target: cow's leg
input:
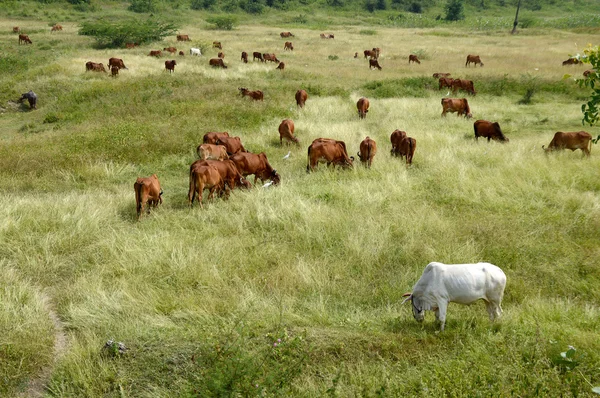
(489, 138)
(441, 314)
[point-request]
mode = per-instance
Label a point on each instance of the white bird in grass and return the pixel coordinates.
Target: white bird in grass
(448, 93)
(268, 184)
(287, 156)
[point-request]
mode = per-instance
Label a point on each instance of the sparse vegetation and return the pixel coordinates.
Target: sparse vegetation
(115, 35)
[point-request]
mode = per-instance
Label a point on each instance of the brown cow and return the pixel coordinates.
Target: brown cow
(370, 54)
(575, 140)
(368, 149)
(270, 57)
(181, 53)
(377, 51)
(183, 38)
(155, 53)
(286, 130)
(258, 55)
(396, 139)
(170, 49)
(459, 105)
(256, 95)
(327, 36)
(413, 58)
(217, 62)
(229, 173)
(281, 66)
(94, 67)
(462, 84)
(232, 144)
(572, 61)
(147, 192)
(331, 151)
(118, 62)
(204, 177)
(250, 163)
(473, 59)
(217, 44)
(56, 28)
(286, 34)
(212, 137)
(114, 71)
(363, 107)
(130, 45)
(489, 130)
(446, 82)
(16, 29)
(440, 74)
(24, 39)
(245, 57)
(210, 151)
(221, 55)
(170, 65)
(407, 148)
(288, 46)
(373, 63)
(301, 97)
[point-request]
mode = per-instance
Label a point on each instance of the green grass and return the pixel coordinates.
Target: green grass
(200, 297)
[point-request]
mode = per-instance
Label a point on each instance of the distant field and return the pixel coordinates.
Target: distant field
(293, 290)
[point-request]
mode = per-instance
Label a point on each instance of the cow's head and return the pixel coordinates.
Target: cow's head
(243, 90)
(417, 306)
(468, 115)
(275, 177)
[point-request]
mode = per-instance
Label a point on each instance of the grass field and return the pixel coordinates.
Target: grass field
(293, 290)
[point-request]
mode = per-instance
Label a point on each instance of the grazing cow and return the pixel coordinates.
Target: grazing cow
(462, 84)
(406, 148)
(256, 95)
(258, 55)
(286, 130)
(489, 130)
(281, 66)
(286, 34)
(288, 46)
(572, 61)
(30, 97)
(441, 284)
(16, 29)
(373, 63)
(446, 82)
(301, 97)
(221, 54)
(244, 57)
(368, 149)
(56, 28)
(270, 57)
(211, 151)
(217, 44)
(130, 45)
(213, 137)
(195, 51)
(24, 39)
(473, 59)
(413, 58)
(327, 36)
(458, 105)
(331, 151)
(370, 54)
(94, 67)
(147, 192)
(440, 74)
(229, 173)
(118, 62)
(170, 49)
(377, 51)
(396, 139)
(181, 54)
(155, 53)
(251, 163)
(363, 107)
(204, 177)
(114, 71)
(233, 145)
(217, 62)
(575, 140)
(170, 65)
(183, 38)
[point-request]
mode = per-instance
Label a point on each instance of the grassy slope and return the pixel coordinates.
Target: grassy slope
(200, 296)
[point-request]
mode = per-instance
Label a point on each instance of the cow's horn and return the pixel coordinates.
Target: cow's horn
(408, 297)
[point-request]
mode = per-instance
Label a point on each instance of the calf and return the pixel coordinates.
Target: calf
(462, 84)
(114, 71)
(258, 55)
(244, 57)
(441, 284)
(94, 67)
(473, 59)
(575, 140)
(221, 55)
(147, 193)
(396, 139)
(181, 54)
(155, 53)
(56, 28)
(30, 97)
(217, 63)
(301, 97)
(288, 46)
(370, 54)
(373, 63)
(281, 66)
(24, 39)
(488, 130)
(327, 36)
(233, 145)
(118, 62)
(217, 44)
(458, 105)
(195, 51)
(213, 137)
(170, 49)
(363, 107)
(256, 95)
(183, 38)
(368, 149)
(16, 29)
(286, 130)
(331, 151)
(204, 177)
(413, 58)
(286, 34)
(170, 65)
(210, 151)
(250, 163)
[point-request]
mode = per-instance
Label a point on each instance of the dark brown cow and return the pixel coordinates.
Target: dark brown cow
(396, 139)
(213, 137)
(446, 82)
(572, 61)
(407, 148)
(370, 54)
(16, 29)
(258, 55)
(270, 57)
(221, 55)
(331, 151)
(181, 54)
(250, 163)
(575, 140)
(286, 34)
(281, 66)
(24, 39)
(286, 130)
(217, 44)
(462, 84)
(232, 144)
(373, 63)
(147, 193)
(256, 95)
(155, 53)
(413, 58)
(288, 46)
(170, 65)
(114, 71)
(473, 59)
(118, 62)
(440, 74)
(301, 97)
(56, 28)
(363, 107)
(368, 149)
(183, 38)
(245, 57)
(170, 49)
(217, 63)
(355, 55)
(210, 151)
(204, 176)
(130, 45)
(488, 130)
(458, 105)
(229, 173)
(31, 97)
(94, 67)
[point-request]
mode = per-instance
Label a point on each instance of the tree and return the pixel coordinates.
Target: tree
(454, 10)
(516, 19)
(592, 80)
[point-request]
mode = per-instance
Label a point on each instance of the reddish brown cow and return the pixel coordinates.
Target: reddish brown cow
(270, 57)
(368, 149)
(256, 95)
(462, 84)
(458, 105)
(94, 67)
(56, 28)
(440, 74)
(281, 66)
(170, 65)
(413, 58)
(488, 130)
(217, 44)
(232, 144)
(130, 45)
(575, 140)
(245, 57)
(473, 59)
(217, 63)
(16, 29)
(327, 36)
(170, 49)
(446, 82)
(114, 71)
(572, 61)
(377, 51)
(183, 38)
(258, 55)
(211, 151)
(288, 46)
(221, 55)
(331, 151)
(363, 107)
(204, 177)
(286, 34)
(118, 62)
(301, 97)
(370, 54)
(396, 139)
(286, 130)
(373, 63)
(407, 148)
(155, 53)
(24, 39)
(250, 163)
(212, 137)
(147, 193)
(229, 173)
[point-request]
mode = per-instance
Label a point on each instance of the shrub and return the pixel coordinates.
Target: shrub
(415, 8)
(333, 57)
(368, 32)
(527, 22)
(223, 22)
(142, 6)
(115, 35)
(202, 4)
(252, 6)
(454, 10)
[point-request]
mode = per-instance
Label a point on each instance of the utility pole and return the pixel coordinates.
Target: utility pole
(514, 30)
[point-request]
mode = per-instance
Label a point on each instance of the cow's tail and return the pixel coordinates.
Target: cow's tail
(192, 191)
(138, 198)
(410, 150)
(369, 153)
(308, 160)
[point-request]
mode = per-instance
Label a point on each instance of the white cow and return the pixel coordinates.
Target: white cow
(195, 51)
(441, 284)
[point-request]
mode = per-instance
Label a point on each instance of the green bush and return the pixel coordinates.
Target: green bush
(142, 6)
(223, 22)
(114, 35)
(526, 22)
(252, 6)
(202, 4)
(454, 10)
